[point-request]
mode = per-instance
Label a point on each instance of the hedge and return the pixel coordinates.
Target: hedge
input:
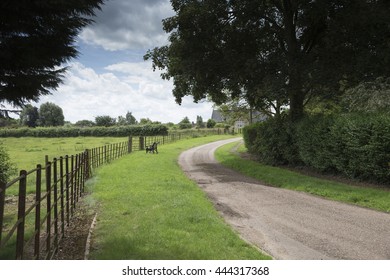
(114, 131)
(355, 145)
(272, 141)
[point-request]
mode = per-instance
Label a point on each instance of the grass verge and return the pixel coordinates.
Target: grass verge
(148, 209)
(378, 199)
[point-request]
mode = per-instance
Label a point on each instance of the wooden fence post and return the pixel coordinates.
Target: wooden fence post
(48, 198)
(141, 143)
(62, 196)
(71, 184)
(67, 184)
(21, 215)
(38, 190)
(87, 162)
(55, 202)
(130, 145)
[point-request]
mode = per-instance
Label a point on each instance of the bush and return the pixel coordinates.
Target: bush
(272, 141)
(7, 168)
(362, 146)
(355, 145)
(315, 142)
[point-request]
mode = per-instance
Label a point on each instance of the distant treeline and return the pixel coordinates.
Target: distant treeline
(116, 131)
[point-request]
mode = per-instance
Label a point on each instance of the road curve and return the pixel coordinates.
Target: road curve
(288, 224)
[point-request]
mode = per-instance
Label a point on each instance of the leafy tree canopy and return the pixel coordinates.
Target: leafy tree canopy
(36, 38)
(185, 123)
(29, 116)
(130, 119)
(368, 97)
(105, 121)
(275, 50)
(51, 115)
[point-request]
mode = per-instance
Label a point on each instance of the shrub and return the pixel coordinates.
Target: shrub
(7, 168)
(315, 142)
(272, 141)
(355, 145)
(362, 146)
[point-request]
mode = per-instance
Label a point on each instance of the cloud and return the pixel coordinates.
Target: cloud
(111, 77)
(123, 24)
(123, 87)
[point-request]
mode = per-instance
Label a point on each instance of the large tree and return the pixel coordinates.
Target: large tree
(51, 114)
(36, 38)
(273, 50)
(29, 116)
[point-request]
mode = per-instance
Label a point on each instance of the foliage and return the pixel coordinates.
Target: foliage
(266, 51)
(185, 123)
(7, 168)
(368, 96)
(51, 115)
(84, 123)
(37, 38)
(272, 141)
(199, 122)
(105, 121)
(29, 116)
(316, 144)
(355, 145)
(210, 123)
(115, 131)
(130, 119)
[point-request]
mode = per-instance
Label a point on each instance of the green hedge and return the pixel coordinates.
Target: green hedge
(114, 131)
(273, 141)
(356, 145)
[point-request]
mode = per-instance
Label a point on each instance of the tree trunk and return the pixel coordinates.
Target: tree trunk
(296, 95)
(296, 105)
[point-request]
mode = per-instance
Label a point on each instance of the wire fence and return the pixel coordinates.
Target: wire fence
(33, 222)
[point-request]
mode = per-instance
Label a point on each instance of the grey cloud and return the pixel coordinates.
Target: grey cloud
(124, 24)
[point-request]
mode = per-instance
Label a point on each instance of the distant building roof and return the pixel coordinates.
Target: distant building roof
(217, 116)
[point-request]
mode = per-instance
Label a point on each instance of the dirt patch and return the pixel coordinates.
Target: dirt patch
(73, 245)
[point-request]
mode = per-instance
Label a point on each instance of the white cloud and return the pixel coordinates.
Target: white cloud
(124, 87)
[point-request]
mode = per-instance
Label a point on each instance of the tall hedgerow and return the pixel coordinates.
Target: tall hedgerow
(355, 145)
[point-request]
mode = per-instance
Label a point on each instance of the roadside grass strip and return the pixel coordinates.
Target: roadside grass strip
(148, 209)
(374, 198)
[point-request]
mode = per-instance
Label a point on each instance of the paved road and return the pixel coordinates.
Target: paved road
(287, 224)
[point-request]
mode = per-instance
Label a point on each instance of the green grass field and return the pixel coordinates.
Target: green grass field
(375, 198)
(148, 209)
(27, 152)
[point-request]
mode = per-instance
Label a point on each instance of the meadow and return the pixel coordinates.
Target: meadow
(27, 152)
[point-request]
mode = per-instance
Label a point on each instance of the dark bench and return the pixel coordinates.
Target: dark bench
(152, 148)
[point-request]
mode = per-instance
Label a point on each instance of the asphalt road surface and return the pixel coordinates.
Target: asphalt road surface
(288, 224)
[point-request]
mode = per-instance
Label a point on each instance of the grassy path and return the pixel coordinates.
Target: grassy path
(148, 209)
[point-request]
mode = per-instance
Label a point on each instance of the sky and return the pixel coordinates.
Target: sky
(110, 77)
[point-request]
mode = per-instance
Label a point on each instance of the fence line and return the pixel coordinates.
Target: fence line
(42, 216)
